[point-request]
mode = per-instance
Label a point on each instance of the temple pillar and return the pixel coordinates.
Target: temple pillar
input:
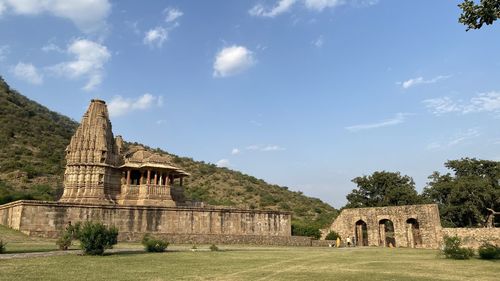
(148, 180)
(161, 179)
(142, 178)
(155, 178)
(128, 177)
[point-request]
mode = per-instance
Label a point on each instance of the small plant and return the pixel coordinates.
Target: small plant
(214, 248)
(2, 246)
(489, 251)
(194, 248)
(64, 242)
(95, 237)
(154, 245)
(452, 249)
(332, 236)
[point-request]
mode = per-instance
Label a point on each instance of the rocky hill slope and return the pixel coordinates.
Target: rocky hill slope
(32, 144)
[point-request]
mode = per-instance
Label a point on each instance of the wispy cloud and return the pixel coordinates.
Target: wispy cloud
(223, 163)
(89, 60)
(482, 102)
(88, 16)
(318, 43)
(456, 139)
(155, 37)
(172, 14)
(232, 60)
(235, 151)
(120, 106)
(265, 148)
(281, 7)
(420, 80)
(27, 72)
(398, 119)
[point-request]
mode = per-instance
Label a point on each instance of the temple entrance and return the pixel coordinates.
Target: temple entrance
(361, 233)
(413, 233)
(386, 233)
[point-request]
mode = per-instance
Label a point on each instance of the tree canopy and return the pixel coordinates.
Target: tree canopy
(463, 197)
(474, 16)
(383, 189)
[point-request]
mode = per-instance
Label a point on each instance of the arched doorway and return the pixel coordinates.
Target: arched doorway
(361, 233)
(386, 233)
(413, 233)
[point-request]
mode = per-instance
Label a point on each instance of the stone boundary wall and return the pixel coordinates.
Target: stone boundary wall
(48, 219)
(474, 237)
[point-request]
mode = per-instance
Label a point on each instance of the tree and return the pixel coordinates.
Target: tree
(383, 189)
(463, 198)
(474, 16)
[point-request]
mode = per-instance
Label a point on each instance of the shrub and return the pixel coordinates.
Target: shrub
(95, 238)
(332, 236)
(489, 251)
(214, 248)
(154, 245)
(64, 242)
(306, 230)
(453, 250)
(2, 246)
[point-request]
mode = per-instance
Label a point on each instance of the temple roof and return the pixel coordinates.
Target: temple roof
(138, 157)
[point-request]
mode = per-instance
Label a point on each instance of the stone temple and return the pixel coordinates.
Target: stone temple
(139, 192)
(99, 170)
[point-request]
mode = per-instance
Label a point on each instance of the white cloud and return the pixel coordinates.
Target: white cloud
(2, 8)
(155, 37)
(27, 72)
(420, 80)
(232, 60)
(320, 5)
(172, 14)
(281, 7)
(51, 47)
(89, 60)
(398, 119)
(87, 15)
(223, 163)
(120, 105)
(318, 43)
(4, 50)
(482, 102)
(235, 151)
(265, 148)
(458, 138)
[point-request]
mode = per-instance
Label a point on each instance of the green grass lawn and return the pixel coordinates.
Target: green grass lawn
(242, 263)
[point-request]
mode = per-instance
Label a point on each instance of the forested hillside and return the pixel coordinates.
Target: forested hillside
(32, 143)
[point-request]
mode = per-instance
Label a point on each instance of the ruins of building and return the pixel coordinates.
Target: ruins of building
(411, 226)
(137, 191)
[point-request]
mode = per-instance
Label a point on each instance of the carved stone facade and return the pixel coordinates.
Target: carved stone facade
(99, 170)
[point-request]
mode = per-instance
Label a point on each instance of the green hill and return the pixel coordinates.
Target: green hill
(32, 144)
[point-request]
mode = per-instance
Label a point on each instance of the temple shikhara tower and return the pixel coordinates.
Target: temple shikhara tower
(99, 170)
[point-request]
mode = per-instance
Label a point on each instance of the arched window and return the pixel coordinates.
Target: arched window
(413, 233)
(386, 233)
(361, 233)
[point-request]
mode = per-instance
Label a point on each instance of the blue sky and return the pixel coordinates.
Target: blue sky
(303, 93)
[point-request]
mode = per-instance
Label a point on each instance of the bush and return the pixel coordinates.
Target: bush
(64, 242)
(453, 250)
(332, 236)
(95, 238)
(154, 245)
(489, 251)
(2, 246)
(214, 248)
(305, 230)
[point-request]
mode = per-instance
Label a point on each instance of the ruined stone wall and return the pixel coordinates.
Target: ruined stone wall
(47, 219)
(426, 215)
(474, 237)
